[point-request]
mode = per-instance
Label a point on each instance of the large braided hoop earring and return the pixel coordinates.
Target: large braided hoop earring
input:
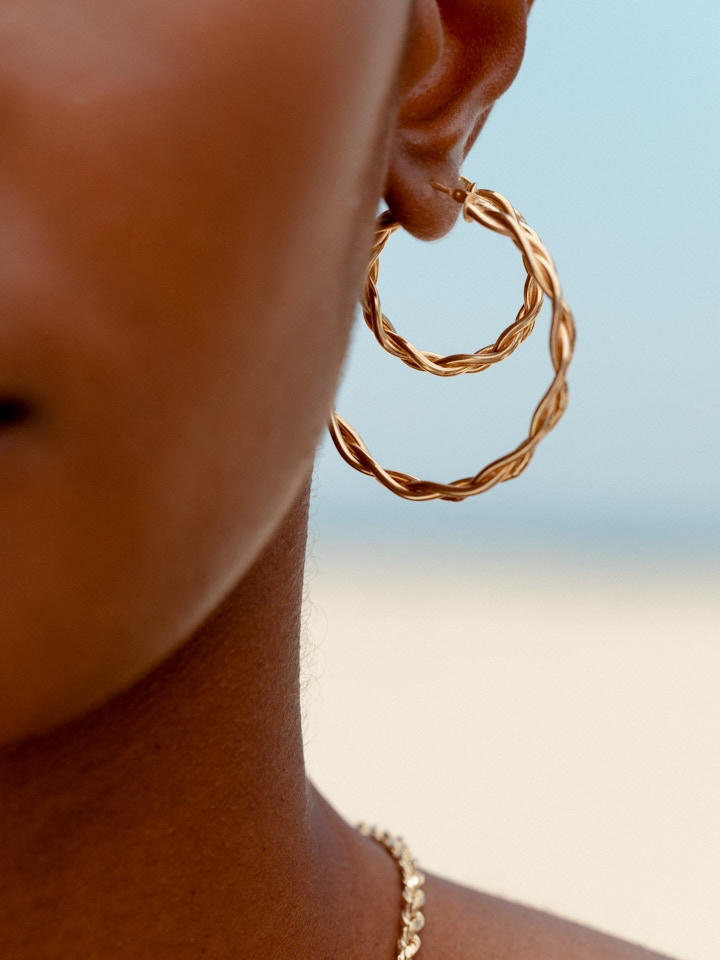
(491, 210)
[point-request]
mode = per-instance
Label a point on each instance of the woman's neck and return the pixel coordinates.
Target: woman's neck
(177, 821)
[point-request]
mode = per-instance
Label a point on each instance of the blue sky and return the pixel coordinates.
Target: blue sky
(608, 144)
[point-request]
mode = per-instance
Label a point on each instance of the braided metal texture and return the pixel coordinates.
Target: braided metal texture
(491, 210)
(413, 896)
(450, 366)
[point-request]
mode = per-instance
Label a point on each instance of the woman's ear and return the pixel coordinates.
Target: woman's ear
(461, 56)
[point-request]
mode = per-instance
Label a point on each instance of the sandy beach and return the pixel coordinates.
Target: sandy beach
(547, 732)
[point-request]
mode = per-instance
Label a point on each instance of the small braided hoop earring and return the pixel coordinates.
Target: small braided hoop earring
(493, 211)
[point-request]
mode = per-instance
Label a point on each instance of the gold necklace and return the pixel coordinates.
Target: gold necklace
(413, 896)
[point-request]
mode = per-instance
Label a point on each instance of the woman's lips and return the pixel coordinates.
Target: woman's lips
(13, 411)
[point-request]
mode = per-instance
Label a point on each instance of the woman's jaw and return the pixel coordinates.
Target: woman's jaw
(187, 201)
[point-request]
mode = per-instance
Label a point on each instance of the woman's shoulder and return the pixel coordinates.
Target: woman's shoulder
(463, 924)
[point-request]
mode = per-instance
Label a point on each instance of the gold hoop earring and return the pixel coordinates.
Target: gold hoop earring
(392, 342)
(491, 210)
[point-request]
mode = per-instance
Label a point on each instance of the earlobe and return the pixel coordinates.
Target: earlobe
(461, 56)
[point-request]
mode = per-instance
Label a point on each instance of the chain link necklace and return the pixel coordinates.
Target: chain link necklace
(413, 896)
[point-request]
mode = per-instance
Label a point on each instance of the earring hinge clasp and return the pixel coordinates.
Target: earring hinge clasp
(459, 194)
